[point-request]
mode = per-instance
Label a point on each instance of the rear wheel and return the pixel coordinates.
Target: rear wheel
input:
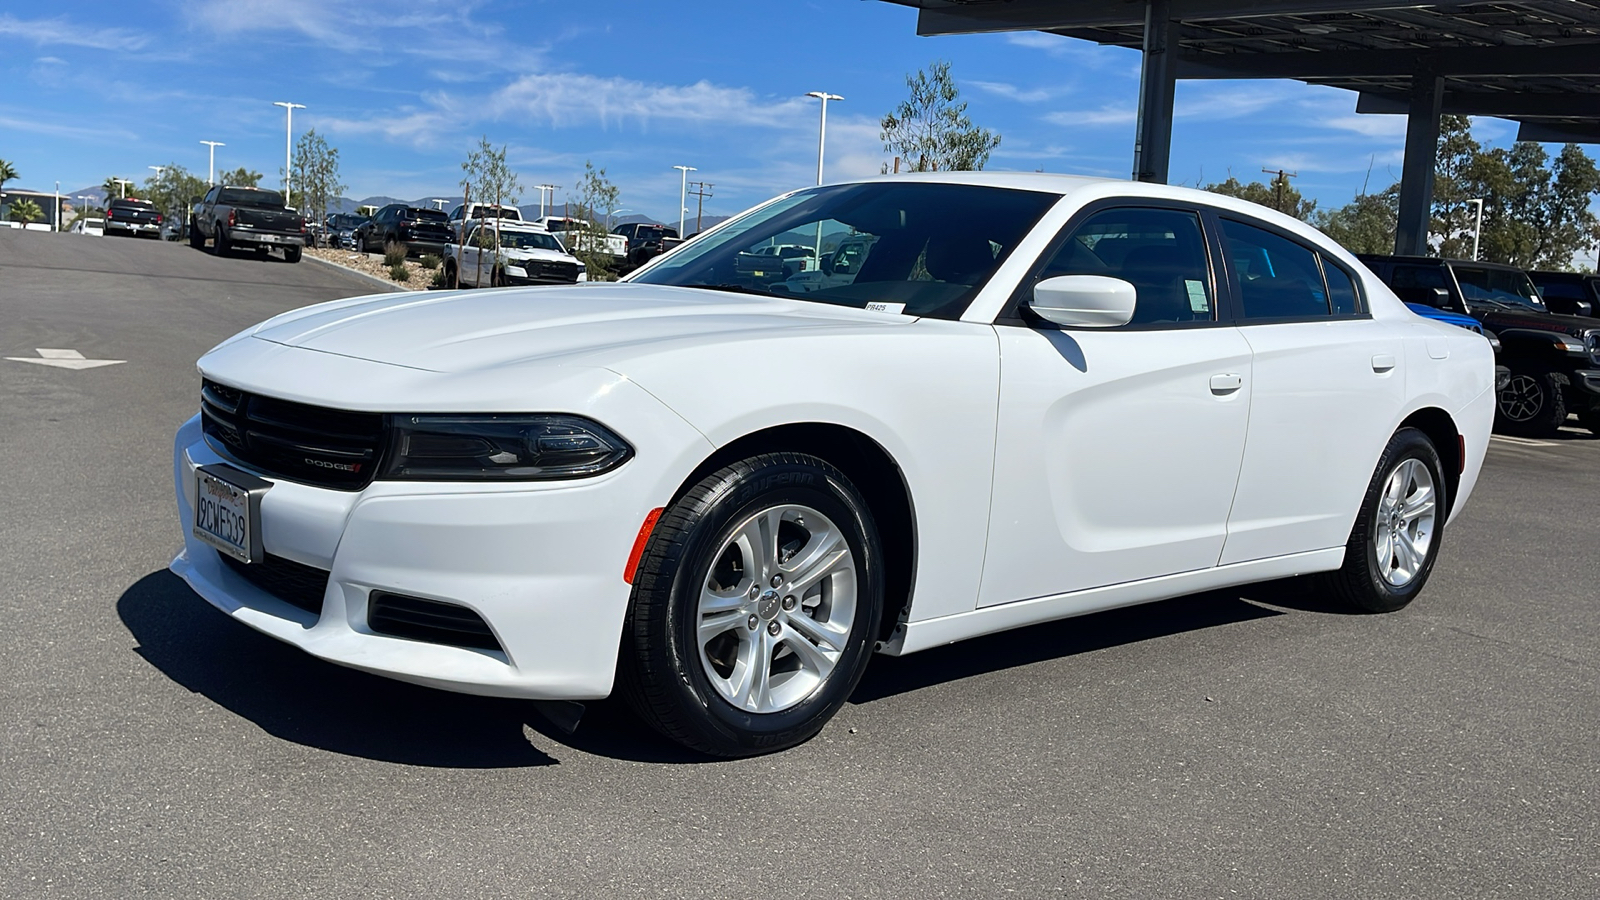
(1397, 535)
(452, 278)
(292, 254)
(220, 240)
(1531, 403)
(755, 607)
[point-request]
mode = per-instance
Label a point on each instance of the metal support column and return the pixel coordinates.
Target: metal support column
(1416, 173)
(1158, 81)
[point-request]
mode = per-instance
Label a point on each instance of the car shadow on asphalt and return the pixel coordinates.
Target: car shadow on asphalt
(297, 697)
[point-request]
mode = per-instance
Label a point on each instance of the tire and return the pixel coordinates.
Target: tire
(1379, 574)
(292, 254)
(452, 278)
(685, 679)
(197, 239)
(495, 278)
(220, 240)
(1531, 404)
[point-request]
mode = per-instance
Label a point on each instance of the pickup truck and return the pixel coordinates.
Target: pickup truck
(247, 217)
(526, 254)
(133, 218)
(572, 233)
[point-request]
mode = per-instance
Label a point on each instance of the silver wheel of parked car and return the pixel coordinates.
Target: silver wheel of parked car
(1521, 398)
(1403, 524)
(777, 608)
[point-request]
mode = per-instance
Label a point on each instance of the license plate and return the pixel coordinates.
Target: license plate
(227, 511)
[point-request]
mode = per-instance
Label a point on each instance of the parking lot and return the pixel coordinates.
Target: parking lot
(1254, 743)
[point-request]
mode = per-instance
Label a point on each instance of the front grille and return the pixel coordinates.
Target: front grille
(294, 583)
(397, 615)
(551, 271)
(309, 444)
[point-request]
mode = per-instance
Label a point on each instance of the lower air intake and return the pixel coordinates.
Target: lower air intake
(397, 615)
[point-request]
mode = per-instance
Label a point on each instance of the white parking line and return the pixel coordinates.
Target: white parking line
(1526, 442)
(64, 359)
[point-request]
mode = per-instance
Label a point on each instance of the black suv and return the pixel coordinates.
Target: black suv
(418, 230)
(646, 241)
(1572, 293)
(1554, 359)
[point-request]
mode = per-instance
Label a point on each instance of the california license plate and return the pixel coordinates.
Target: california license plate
(227, 511)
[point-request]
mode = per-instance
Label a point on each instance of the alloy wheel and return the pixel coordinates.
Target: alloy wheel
(1522, 398)
(776, 609)
(1405, 515)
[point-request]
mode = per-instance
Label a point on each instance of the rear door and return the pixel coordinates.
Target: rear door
(1117, 449)
(1329, 386)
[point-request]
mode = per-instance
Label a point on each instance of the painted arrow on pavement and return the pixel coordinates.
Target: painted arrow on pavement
(65, 359)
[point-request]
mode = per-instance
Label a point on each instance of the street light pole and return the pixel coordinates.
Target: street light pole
(614, 212)
(822, 129)
(122, 187)
(439, 201)
(288, 143)
(1477, 228)
(552, 189)
(683, 195)
(211, 170)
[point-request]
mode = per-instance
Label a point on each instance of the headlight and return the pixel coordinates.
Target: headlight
(500, 448)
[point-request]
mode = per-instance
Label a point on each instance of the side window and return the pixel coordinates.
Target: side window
(1418, 277)
(1161, 252)
(211, 195)
(1342, 291)
(1278, 278)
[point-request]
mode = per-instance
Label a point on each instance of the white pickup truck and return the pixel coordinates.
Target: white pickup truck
(570, 230)
(525, 254)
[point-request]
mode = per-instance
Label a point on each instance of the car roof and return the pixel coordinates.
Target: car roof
(1436, 260)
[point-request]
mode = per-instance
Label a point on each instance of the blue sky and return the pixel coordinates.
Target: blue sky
(403, 90)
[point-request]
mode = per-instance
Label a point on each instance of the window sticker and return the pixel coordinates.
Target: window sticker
(893, 309)
(1198, 302)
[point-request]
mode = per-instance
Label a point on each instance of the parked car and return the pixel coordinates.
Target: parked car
(248, 218)
(718, 499)
(1570, 293)
(469, 211)
(419, 230)
(174, 228)
(524, 254)
(132, 217)
(340, 229)
(573, 233)
(646, 241)
(87, 225)
(837, 268)
(776, 262)
(1554, 359)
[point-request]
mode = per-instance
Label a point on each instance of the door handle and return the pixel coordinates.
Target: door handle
(1222, 385)
(1383, 362)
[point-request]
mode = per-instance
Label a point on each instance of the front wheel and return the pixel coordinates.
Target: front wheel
(452, 277)
(1397, 534)
(1531, 403)
(755, 607)
(197, 238)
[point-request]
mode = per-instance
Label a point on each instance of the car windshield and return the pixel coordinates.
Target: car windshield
(925, 248)
(529, 240)
(132, 204)
(251, 197)
(1501, 288)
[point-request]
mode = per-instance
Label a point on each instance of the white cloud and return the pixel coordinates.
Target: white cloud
(1105, 115)
(1371, 126)
(60, 32)
(1011, 91)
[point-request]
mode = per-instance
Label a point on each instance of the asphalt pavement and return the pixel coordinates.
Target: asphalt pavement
(1252, 743)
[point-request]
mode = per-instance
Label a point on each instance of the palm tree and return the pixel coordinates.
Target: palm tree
(112, 189)
(26, 211)
(8, 172)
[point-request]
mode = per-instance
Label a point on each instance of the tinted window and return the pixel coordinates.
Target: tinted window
(250, 197)
(1418, 277)
(935, 245)
(1342, 291)
(1277, 278)
(1161, 252)
(1563, 291)
(1497, 288)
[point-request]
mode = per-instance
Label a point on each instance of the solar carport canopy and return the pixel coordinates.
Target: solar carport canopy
(1536, 62)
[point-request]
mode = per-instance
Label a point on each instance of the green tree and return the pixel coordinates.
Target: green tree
(930, 130)
(1365, 224)
(8, 172)
(487, 178)
(25, 210)
(173, 190)
(1280, 195)
(240, 177)
(596, 196)
(317, 174)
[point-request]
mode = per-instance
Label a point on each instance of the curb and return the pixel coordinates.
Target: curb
(389, 286)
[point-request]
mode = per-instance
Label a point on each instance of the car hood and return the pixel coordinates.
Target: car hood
(1503, 320)
(543, 255)
(591, 324)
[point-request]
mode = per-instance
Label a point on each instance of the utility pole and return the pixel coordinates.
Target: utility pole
(288, 143)
(683, 194)
(211, 169)
(702, 190)
(1279, 185)
(1477, 228)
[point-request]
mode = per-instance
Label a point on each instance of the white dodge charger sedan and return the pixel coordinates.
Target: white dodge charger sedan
(1028, 397)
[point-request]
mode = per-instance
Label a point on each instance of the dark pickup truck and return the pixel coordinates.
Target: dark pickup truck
(132, 217)
(1554, 359)
(246, 217)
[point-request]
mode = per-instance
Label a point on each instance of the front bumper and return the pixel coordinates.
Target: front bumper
(541, 563)
(1587, 380)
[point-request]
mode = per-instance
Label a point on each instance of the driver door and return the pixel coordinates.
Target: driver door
(1118, 449)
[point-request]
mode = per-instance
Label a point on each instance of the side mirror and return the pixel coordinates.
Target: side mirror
(827, 265)
(1440, 297)
(1084, 301)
